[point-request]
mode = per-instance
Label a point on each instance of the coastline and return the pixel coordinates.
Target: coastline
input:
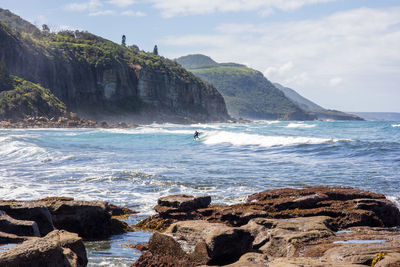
(308, 226)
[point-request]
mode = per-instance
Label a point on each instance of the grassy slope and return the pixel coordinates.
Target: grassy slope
(26, 99)
(247, 93)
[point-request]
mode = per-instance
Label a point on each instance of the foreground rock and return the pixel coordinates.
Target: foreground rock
(285, 227)
(346, 206)
(89, 219)
(58, 248)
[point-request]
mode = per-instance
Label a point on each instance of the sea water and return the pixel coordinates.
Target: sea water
(134, 167)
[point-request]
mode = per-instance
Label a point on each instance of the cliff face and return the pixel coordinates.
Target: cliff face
(90, 73)
(247, 93)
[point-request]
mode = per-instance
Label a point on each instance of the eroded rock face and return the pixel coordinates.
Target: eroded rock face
(18, 227)
(199, 242)
(29, 211)
(285, 227)
(346, 206)
(58, 248)
(89, 219)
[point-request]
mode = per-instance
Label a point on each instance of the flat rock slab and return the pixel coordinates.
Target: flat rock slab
(58, 248)
(348, 207)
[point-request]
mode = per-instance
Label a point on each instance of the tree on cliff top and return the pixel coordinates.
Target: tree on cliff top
(123, 40)
(6, 82)
(155, 50)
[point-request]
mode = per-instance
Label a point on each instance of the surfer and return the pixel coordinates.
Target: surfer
(196, 135)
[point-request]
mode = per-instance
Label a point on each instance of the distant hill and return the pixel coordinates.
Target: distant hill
(95, 77)
(318, 111)
(247, 93)
(379, 116)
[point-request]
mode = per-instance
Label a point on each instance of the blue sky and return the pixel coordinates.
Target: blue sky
(342, 54)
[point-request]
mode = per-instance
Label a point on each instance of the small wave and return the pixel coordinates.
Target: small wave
(395, 125)
(10, 148)
(243, 139)
(300, 125)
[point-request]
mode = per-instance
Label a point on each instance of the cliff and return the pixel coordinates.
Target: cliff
(96, 77)
(247, 93)
(309, 106)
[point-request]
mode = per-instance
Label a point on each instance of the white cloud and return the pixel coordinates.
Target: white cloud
(335, 81)
(357, 49)
(102, 13)
(84, 6)
(133, 13)
(121, 3)
(196, 7)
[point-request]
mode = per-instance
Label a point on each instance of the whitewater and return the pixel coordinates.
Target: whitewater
(134, 167)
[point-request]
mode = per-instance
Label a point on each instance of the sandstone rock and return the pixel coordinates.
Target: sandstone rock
(30, 211)
(283, 238)
(251, 259)
(18, 227)
(7, 238)
(89, 219)
(58, 248)
(176, 203)
(214, 243)
(347, 206)
(363, 245)
(308, 262)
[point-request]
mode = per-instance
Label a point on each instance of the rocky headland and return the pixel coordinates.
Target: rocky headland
(313, 226)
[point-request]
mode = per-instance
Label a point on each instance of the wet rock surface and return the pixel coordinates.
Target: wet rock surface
(58, 248)
(89, 219)
(50, 230)
(284, 227)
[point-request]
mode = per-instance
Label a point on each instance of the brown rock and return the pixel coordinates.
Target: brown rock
(58, 248)
(29, 211)
(309, 262)
(251, 259)
(18, 227)
(176, 203)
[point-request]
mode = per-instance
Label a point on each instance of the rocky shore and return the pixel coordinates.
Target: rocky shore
(49, 232)
(313, 226)
(70, 120)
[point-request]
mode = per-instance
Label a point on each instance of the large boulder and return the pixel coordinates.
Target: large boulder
(58, 248)
(89, 219)
(181, 203)
(29, 211)
(199, 242)
(17, 227)
(284, 237)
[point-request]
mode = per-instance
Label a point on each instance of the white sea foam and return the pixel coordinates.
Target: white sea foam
(148, 130)
(244, 139)
(395, 125)
(300, 125)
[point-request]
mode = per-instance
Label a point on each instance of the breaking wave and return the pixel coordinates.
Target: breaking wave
(243, 139)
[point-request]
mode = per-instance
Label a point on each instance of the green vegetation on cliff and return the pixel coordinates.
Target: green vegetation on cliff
(247, 93)
(90, 73)
(29, 99)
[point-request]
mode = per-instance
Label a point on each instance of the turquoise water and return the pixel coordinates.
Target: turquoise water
(134, 167)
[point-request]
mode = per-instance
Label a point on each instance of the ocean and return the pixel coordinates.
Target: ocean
(134, 167)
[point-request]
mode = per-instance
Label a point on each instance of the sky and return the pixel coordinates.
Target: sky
(341, 54)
